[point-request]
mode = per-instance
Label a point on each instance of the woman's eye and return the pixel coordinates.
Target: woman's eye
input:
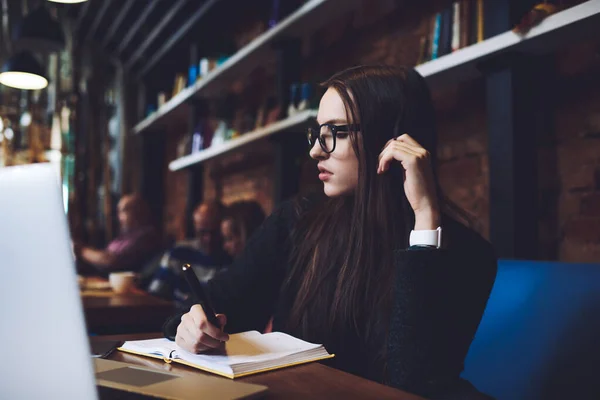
(342, 135)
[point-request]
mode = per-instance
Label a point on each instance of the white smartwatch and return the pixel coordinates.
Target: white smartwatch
(426, 238)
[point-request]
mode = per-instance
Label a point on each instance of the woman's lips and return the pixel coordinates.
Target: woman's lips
(324, 174)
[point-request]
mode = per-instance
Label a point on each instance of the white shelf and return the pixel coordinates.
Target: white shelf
(573, 24)
(308, 18)
(212, 152)
(565, 27)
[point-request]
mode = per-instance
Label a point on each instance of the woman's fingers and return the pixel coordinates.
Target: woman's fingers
(406, 138)
(208, 341)
(196, 334)
(402, 152)
(186, 340)
(200, 321)
(194, 340)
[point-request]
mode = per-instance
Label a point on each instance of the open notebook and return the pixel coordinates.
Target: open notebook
(245, 353)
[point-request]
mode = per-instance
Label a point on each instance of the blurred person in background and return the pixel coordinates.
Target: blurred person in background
(131, 249)
(242, 218)
(204, 253)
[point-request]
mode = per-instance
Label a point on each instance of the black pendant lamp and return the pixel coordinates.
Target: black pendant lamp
(23, 71)
(39, 32)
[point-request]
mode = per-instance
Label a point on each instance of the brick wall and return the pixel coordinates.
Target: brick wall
(569, 161)
(569, 158)
(176, 189)
(462, 150)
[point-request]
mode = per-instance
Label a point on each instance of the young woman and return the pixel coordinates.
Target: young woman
(364, 270)
(241, 219)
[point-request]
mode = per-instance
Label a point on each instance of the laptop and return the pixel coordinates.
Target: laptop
(45, 349)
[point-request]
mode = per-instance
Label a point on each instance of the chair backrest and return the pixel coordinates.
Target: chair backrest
(540, 334)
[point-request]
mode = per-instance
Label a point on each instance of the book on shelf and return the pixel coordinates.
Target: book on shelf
(454, 27)
(435, 36)
(455, 45)
(445, 46)
(424, 50)
(480, 20)
(473, 21)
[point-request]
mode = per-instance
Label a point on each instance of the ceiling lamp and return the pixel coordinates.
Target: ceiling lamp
(39, 32)
(23, 71)
(68, 1)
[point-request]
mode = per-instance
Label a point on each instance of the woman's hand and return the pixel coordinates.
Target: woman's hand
(195, 334)
(419, 184)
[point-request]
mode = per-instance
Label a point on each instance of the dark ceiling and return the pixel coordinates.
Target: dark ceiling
(150, 37)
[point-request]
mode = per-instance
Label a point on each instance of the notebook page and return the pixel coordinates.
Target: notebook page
(278, 342)
(160, 347)
(288, 359)
(250, 348)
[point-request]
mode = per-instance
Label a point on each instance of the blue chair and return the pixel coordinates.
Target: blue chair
(540, 334)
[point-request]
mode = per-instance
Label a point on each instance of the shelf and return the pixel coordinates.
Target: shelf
(307, 19)
(555, 31)
(287, 124)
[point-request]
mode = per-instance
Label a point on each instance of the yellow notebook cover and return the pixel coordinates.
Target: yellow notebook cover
(244, 354)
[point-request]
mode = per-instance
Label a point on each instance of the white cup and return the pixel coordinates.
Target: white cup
(121, 282)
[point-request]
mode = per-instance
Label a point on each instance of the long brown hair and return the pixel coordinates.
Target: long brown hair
(342, 265)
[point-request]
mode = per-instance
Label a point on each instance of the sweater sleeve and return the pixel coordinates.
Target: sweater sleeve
(440, 297)
(247, 291)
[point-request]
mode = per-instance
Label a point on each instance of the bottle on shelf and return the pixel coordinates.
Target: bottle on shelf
(292, 108)
(206, 131)
(198, 138)
(161, 99)
(220, 135)
(305, 97)
(275, 15)
(193, 69)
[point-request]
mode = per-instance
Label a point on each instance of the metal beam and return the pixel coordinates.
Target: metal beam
(177, 36)
(81, 15)
(195, 187)
(98, 19)
(136, 26)
(115, 25)
(155, 32)
(517, 103)
(5, 27)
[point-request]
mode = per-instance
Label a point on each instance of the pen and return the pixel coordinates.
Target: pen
(198, 294)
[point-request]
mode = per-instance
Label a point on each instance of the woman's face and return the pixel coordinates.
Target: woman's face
(232, 241)
(337, 170)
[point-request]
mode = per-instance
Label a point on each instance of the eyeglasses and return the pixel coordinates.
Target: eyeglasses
(327, 134)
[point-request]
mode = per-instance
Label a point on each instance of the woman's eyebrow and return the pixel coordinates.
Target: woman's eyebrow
(334, 122)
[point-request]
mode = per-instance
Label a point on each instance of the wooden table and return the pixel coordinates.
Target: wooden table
(308, 381)
(107, 312)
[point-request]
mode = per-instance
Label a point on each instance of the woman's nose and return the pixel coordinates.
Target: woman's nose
(317, 152)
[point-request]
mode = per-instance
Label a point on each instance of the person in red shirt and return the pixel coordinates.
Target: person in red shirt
(136, 243)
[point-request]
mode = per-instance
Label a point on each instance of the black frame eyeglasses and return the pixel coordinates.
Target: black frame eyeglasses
(327, 137)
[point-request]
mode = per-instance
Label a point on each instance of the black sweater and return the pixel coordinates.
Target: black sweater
(440, 296)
